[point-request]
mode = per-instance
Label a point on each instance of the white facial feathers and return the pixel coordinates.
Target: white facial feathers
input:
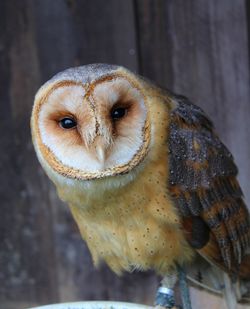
(101, 143)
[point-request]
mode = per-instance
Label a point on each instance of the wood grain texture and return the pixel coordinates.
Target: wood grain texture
(197, 48)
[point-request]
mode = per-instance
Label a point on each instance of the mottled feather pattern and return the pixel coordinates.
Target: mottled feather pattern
(203, 180)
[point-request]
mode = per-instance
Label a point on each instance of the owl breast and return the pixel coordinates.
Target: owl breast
(135, 227)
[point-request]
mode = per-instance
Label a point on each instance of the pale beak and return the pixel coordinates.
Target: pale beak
(100, 148)
(100, 153)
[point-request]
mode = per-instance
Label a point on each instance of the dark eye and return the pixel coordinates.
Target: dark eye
(118, 113)
(67, 123)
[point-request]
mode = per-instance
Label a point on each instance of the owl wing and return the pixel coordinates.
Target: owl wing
(203, 185)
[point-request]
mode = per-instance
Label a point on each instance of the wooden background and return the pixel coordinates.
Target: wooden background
(194, 47)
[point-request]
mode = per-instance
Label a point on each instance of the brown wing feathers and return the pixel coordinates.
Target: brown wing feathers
(203, 183)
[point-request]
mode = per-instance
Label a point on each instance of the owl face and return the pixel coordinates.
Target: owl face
(92, 124)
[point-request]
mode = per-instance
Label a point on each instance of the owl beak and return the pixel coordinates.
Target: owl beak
(100, 148)
(100, 153)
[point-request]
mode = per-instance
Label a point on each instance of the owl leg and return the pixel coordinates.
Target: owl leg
(184, 290)
(165, 293)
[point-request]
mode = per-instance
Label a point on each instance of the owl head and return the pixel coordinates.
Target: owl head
(91, 122)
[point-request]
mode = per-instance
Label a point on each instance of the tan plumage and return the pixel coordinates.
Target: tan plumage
(134, 184)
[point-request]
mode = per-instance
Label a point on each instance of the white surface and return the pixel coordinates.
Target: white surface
(94, 305)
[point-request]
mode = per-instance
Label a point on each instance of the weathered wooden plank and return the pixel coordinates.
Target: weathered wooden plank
(27, 244)
(155, 38)
(78, 32)
(202, 299)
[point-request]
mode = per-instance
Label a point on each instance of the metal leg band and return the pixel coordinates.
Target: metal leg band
(165, 297)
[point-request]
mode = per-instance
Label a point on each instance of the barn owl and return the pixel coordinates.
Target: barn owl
(147, 179)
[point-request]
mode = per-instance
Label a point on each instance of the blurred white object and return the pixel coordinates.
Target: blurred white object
(94, 305)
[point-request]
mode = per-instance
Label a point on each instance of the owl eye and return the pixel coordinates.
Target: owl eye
(67, 123)
(118, 113)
